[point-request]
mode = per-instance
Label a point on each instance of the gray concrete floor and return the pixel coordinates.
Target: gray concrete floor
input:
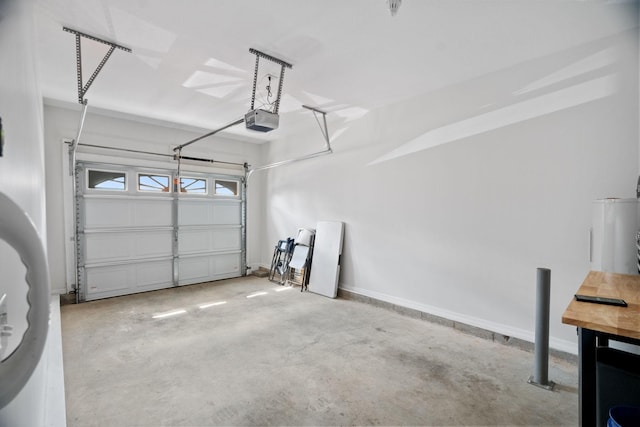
(291, 358)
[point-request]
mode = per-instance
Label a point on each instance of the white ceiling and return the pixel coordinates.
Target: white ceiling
(191, 63)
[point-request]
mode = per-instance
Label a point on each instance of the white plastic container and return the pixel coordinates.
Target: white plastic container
(613, 236)
(614, 244)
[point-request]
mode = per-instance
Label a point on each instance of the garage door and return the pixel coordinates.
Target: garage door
(136, 234)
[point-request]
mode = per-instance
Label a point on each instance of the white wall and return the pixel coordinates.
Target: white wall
(22, 179)
(122, 131)
(452, 199)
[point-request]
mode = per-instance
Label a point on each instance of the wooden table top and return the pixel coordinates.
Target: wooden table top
(622, 321)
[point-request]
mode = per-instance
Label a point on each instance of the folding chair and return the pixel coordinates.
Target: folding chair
(280, 260)
(299, 265)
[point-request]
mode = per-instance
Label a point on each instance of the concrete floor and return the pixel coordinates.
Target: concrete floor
(291, 358)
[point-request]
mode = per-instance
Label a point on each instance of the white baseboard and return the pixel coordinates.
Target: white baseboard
(55, 406)
(522, 334)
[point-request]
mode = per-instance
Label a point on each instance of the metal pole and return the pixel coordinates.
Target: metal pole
(170, 156)
(286, 162)
(325, 134)
(213, 132)
(280, 84)
(543, 287)
(79, 68)
(175, 212)
(244, 220)
(324, 130)
(73, 148)
(74, 144)
(255, 82)
(540, 375)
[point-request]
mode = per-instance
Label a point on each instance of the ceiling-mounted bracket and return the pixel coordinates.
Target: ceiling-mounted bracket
(323, 130)
(327, 149)
(83, 88)
(275, 60)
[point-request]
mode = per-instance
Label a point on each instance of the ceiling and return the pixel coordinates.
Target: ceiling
(191, 64)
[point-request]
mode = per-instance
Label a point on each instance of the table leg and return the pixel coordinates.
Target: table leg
(587, 377)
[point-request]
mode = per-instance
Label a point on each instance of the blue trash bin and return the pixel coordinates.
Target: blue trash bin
(624, 416)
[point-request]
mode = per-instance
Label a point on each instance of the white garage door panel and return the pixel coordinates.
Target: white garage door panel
(226, 239)
(152, 213)
(227, 213)
(107, 213)
(194, 241)
(115, 212)
(194, 270)
(193, 212)
(108, 281)
(209, 238)
(152, 243)
(227, 264)
(209, 212)
(120, 246)
(200, 240)
(127, 235)
(153, 275)
(206, 268)
(106, 248)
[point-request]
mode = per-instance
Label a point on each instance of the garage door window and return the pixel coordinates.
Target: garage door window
(155, 183)
(106, 180)
(193, 185)
(226, 188)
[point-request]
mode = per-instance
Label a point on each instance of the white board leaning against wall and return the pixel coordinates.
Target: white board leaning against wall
(325, 265)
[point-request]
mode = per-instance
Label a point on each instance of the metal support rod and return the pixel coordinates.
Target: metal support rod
(74, 144)
(73, 148)
(169, 156)
(273, 59)
(128, 150)
(259, 55)
(326, 131)
(540, 375)
(82, 89)
(323, 130)
(97, 70)
(270, 58)
(543, 286)
(280, 84)
(198, 159)
(79, 68)
(95, 39)
(314, 109)
(78, 229)
(178, 157)
(327, 150)
(289, 161)
(255, 83)
(244, 222)
(175, 249)
(237, 122)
